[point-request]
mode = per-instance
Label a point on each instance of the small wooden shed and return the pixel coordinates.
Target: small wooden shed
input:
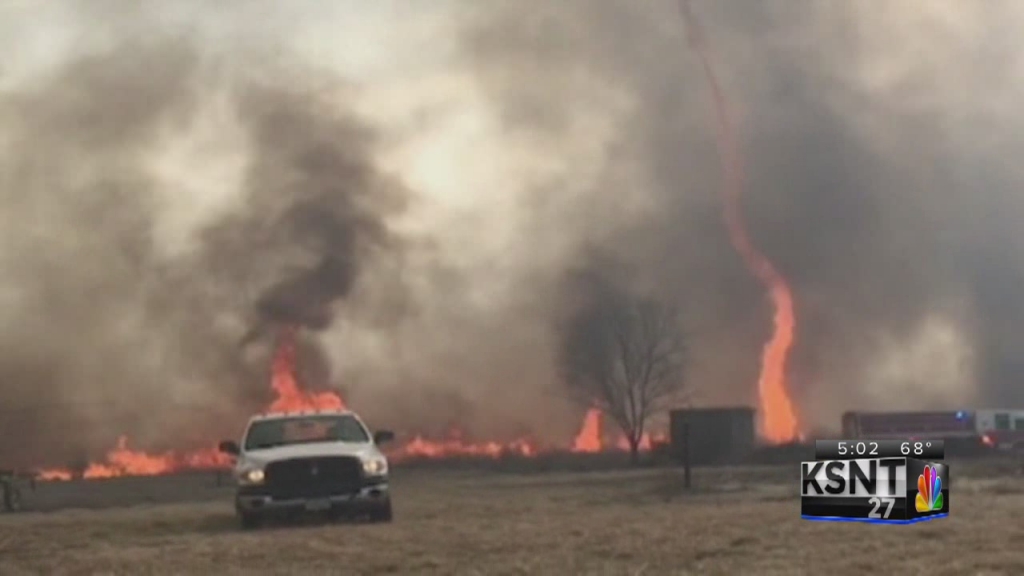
(716, 435)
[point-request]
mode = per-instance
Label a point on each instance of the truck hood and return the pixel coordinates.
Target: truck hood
(260, 458)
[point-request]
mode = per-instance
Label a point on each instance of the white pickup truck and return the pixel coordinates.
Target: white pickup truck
(310, 462)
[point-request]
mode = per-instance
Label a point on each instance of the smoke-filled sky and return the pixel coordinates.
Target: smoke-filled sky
(439, 170)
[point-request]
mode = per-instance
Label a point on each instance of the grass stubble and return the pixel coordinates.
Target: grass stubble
(735, 522)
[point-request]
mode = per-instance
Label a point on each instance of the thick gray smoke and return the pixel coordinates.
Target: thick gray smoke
(878, 181)
(167, 202)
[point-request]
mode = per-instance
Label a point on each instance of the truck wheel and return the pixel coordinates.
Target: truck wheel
(249, 521)
(382, 514)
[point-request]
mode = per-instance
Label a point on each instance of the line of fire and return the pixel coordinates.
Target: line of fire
(726, 435)
(594, 436)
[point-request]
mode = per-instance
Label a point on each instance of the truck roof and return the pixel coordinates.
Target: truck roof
(949, 424)
(299, 413)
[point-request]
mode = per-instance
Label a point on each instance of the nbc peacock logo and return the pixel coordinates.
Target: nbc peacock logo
(929, 491)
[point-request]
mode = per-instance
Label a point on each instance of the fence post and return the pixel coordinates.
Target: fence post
(686, 455)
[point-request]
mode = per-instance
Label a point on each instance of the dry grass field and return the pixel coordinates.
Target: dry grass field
(736, 522)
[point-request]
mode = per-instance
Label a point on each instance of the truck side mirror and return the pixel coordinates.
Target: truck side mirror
(229, 447)
(382, 436)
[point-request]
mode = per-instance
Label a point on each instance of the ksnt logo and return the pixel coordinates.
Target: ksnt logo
(874, 490)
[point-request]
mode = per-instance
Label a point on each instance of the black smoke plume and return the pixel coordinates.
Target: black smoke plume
(109, 333)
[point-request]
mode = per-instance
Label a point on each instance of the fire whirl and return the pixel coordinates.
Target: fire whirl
(290, 397)
(779, 422)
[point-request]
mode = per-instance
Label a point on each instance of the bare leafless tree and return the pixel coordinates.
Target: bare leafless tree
(625, 355)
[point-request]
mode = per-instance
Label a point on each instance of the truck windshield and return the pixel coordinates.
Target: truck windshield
(304, 429)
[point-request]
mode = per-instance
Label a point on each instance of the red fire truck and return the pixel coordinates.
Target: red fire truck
(996, 429)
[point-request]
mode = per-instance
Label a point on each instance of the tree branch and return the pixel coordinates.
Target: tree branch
(625, 355)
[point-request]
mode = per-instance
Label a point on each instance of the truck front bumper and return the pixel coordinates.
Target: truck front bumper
(251, 500)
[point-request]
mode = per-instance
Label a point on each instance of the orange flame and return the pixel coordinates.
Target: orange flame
(779, 422)
(123, 461)
(420, 447)
(590, 437)
(290, 398)
(55, 474)
(643, 445)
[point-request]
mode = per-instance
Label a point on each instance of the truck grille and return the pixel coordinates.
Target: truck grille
(317, 477)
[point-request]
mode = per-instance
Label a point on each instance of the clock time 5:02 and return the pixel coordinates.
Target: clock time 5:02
(853, 449)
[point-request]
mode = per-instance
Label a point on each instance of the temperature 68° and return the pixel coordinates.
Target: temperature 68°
(933, 449)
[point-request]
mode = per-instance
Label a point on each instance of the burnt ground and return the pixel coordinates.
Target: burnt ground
(736, 521)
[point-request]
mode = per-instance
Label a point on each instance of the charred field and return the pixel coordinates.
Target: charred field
(735, 520)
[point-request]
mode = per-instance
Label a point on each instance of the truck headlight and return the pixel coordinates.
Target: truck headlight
(375, 467)
(254, 476)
